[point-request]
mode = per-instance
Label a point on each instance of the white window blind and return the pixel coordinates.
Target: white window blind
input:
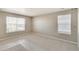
(14, 24)
(64, 24)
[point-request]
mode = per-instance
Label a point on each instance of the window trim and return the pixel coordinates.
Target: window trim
(16, 30)
(62, 32)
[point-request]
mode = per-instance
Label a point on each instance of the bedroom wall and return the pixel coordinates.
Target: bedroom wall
(3, 24)
(78, 28)
(47, 24)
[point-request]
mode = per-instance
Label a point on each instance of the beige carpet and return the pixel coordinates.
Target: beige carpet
(16, 48)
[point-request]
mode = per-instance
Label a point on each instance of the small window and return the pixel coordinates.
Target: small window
(14, 24)
(64, 24)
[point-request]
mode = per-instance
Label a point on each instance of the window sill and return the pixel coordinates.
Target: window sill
(64, 33)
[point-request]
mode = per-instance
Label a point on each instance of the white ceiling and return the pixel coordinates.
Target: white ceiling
(32, 11)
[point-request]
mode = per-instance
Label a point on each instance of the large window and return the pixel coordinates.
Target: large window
(14, 24)
(64, 24)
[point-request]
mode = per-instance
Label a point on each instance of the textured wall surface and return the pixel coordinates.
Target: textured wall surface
(3, 24)
(47, 24)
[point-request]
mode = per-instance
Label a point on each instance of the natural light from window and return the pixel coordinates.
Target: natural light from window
(64, 24)
(14, 24)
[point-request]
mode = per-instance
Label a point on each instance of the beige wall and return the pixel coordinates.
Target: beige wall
(3, 24)
(78, 28)
(47, 24)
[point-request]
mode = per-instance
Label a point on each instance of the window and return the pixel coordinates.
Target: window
(14, 24)
(64, 24)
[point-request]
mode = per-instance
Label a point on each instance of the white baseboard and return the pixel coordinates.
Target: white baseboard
(52, 37)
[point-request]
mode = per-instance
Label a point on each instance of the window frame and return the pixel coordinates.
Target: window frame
(16, 25)
(64, 32)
